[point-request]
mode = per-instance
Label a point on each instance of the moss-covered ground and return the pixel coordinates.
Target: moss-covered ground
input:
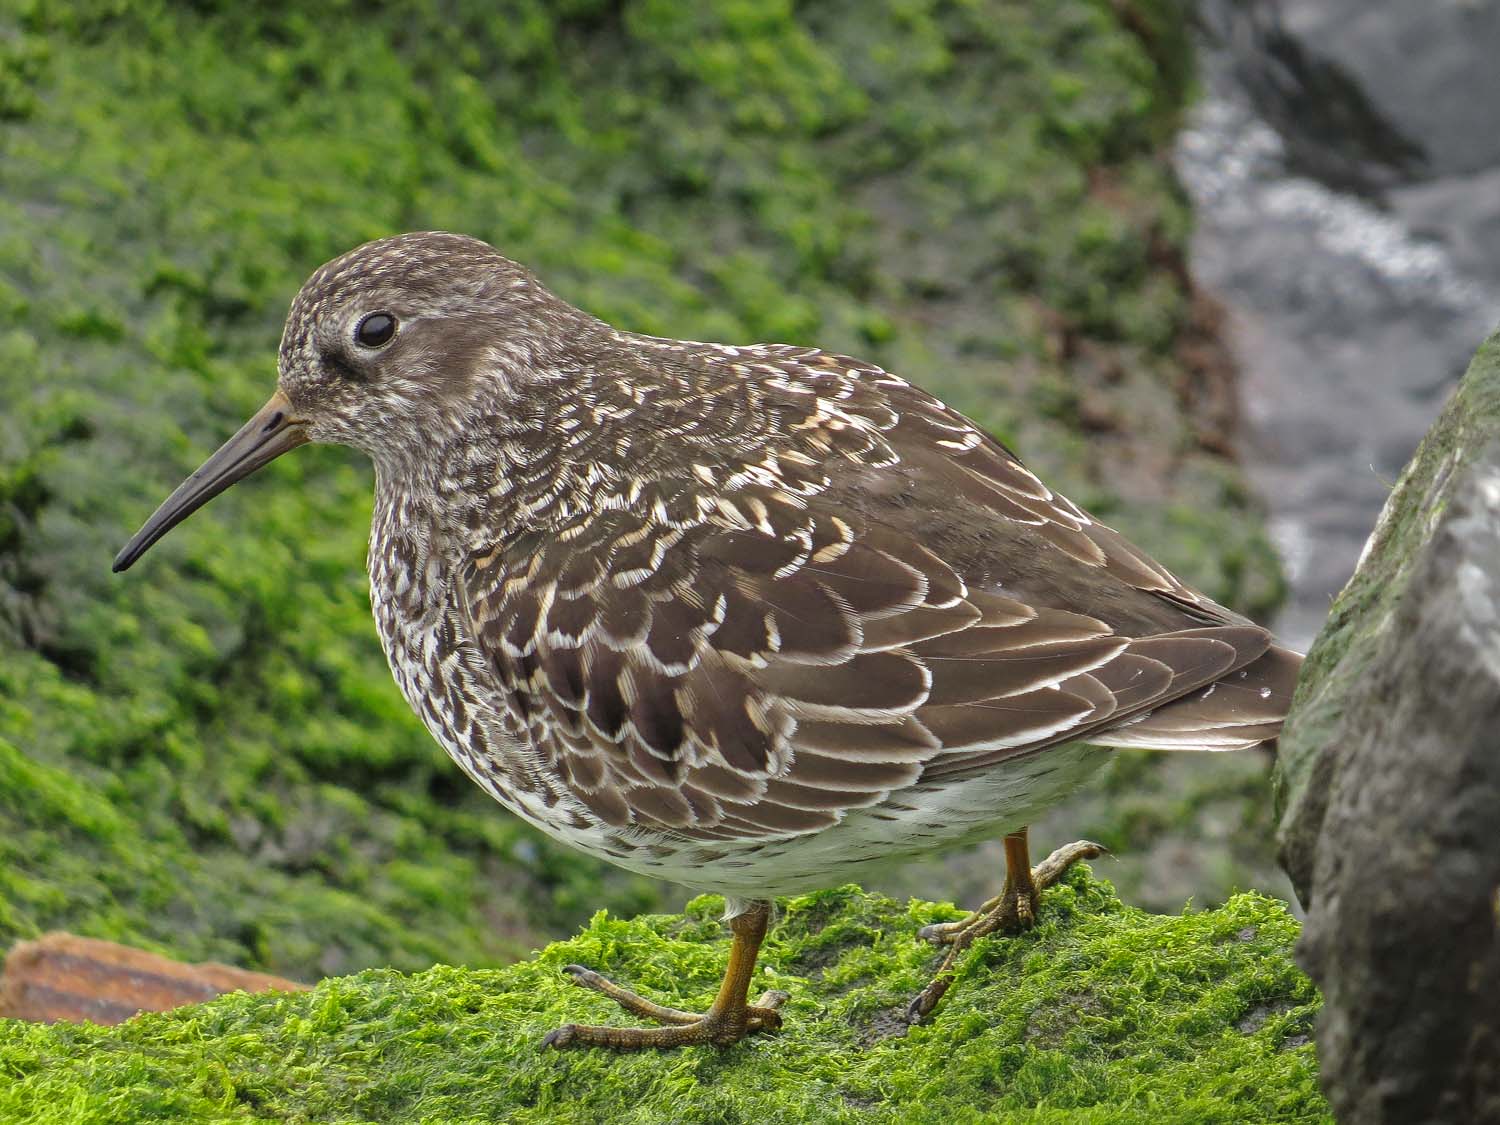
(207, 757)
(1101, 1014)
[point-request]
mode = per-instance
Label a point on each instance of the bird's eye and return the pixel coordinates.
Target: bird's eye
(375, 330)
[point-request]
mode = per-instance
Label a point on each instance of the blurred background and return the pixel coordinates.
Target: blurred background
(1211, 269)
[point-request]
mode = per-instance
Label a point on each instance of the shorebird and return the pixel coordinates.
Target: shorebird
(754, 619)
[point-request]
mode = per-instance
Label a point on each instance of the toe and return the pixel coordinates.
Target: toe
(939, 933)
(925, 1001)
(560, 1038)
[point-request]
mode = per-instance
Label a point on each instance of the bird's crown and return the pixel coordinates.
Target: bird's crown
(400, 339)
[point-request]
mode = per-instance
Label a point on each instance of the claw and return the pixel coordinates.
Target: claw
(940, 933)
(559, 1037)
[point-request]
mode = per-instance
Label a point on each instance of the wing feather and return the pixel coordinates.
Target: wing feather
(749, 689)
(760, 647)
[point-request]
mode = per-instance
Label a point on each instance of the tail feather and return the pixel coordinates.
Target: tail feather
(1243, 709)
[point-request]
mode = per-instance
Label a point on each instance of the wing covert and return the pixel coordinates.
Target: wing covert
(755, 664)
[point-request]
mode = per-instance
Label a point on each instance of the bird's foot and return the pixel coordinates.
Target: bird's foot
(946, 933)
(720, 1027)
(989, 914)
(1013, 909)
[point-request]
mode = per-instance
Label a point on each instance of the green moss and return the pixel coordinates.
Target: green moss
(1100, 1014)
(1351, 637)
(208, 756)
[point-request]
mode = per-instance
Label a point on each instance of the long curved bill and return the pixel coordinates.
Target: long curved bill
(270, 433)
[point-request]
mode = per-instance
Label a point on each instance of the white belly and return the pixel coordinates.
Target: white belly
(915, 822)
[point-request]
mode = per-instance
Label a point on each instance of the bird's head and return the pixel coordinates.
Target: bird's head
(389, 349)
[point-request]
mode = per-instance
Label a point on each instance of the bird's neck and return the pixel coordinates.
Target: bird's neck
(598, 421)
(410, 561)
(433, 513)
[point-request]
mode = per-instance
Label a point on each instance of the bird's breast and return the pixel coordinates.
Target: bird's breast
(443, 677)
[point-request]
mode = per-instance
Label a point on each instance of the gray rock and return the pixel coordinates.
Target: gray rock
(1416, 66)
(1370, 93)
(1389, 790)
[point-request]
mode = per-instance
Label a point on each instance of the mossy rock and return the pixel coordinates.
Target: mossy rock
(1314, 747)
(1102, 1013)
(1389, 785)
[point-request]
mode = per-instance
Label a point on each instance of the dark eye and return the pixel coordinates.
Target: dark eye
(375, 330)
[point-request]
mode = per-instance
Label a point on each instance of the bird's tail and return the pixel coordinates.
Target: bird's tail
(1244, 709)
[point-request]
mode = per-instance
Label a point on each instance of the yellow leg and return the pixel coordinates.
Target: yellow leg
(1012, 909)
(728, 1020)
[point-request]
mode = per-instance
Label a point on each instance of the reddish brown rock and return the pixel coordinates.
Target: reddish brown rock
(64, 977)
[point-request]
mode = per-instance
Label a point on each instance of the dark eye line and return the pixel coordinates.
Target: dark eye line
(341, 364)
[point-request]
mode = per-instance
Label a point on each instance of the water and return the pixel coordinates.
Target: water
(1360, 269)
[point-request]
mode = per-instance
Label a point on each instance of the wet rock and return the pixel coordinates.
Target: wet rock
(1390, 790)
(1372, 92)
(66, 977)
(1355, 280)
(1427, 69)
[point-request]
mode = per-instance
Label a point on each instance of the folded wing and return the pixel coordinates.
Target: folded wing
(759, 665)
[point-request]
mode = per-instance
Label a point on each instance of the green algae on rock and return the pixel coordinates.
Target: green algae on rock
(1103, 1013)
